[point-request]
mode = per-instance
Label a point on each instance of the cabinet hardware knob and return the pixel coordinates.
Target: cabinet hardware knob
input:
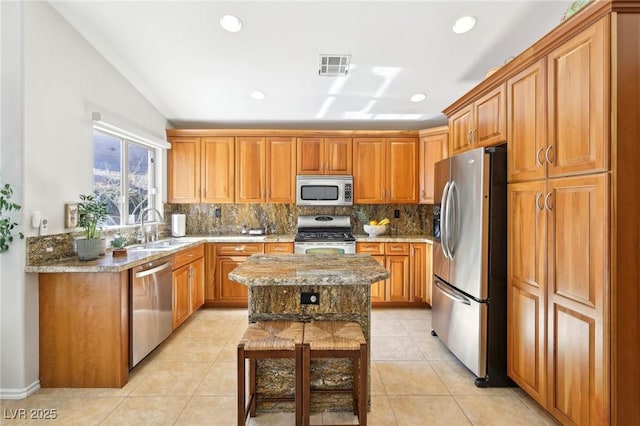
(546, 202)
(538, 160)
(538, 206)
(546, 154)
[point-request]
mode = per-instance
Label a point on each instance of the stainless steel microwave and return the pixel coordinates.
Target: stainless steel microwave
(314, 190)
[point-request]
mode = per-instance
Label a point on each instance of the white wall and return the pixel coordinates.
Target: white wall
(62, 80)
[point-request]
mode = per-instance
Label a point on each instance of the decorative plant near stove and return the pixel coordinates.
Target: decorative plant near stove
(6, 225)
(91, 214)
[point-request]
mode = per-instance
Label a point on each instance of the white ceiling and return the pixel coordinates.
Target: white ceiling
(198, 75)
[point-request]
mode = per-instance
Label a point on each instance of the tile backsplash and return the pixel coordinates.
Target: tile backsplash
(415, 219)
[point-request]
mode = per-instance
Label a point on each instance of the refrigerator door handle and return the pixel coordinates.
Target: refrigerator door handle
(452, 220)
(443, 224)
(451, 295)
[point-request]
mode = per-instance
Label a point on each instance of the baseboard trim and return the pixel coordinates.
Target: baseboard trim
(20, 393)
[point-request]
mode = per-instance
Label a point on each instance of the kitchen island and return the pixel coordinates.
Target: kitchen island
(342, 285)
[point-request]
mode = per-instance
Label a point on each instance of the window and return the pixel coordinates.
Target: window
(124, 175)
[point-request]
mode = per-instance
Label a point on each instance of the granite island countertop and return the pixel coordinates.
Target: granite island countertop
(312, 269)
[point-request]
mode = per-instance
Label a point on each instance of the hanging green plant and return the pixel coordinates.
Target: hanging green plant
(6, 225)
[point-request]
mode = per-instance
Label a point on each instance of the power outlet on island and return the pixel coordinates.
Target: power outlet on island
(308, 298)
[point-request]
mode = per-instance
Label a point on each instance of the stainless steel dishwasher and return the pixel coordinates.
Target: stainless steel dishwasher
(151, 297)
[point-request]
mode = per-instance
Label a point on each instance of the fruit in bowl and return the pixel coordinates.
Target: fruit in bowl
(375, 230)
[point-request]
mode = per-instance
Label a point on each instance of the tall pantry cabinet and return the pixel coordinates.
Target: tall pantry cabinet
(573, 135)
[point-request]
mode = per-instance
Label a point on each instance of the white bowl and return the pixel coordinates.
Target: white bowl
(375, 230)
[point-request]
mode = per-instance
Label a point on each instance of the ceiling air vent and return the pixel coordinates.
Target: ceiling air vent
(334, 65)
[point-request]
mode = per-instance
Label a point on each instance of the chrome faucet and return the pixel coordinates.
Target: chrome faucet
(143, 233)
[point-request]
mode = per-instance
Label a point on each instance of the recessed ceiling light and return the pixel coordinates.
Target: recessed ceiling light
(464, 24)
(257, 95)
(231, 23)
(418, 97)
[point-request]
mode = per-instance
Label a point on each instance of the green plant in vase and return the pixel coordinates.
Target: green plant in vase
(91, 215)
(118, 244)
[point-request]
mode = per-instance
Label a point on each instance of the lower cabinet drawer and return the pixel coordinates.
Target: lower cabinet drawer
(239, 249)
(278, 248)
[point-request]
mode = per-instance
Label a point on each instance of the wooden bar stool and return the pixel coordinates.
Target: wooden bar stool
(336, 339)
(269, 339)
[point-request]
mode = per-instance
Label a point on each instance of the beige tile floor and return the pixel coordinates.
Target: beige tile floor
(190, 380)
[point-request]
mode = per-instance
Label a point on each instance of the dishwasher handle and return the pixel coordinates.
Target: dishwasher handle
(152, 271)
(451, 295)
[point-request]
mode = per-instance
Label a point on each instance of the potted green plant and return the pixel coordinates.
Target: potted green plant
(91, 214)
(118, 244)
(6, 224)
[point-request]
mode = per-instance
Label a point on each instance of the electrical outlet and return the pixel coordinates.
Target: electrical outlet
(218, 212)
(396, 214)
(307, 298)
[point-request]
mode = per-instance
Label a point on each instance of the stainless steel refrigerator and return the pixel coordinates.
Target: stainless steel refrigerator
(469, 310)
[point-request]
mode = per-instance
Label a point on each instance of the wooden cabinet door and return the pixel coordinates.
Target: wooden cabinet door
(210, 271)
(217, 165)
(250, 169)
(196, 284)
(526, 118)
(181, 305)
(526, 288)
(310, 156)
(460, 130)
(428, 272)
(398, 284)
(338, 156)
(228, 290)
(378, 290)
(402, 170)
(369, 170)
(281, 165)
(183, 171)
(490, 119)
(578, 345)
(578, 103)
(418, 270)
(432, 149)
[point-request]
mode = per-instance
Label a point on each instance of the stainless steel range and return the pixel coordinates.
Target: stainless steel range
(324, 234)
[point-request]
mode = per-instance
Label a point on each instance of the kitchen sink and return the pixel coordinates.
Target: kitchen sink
(164, 245)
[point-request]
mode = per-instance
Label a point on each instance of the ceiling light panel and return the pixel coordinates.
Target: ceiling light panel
(334, 65)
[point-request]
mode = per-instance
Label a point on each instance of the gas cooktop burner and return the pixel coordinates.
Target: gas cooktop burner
(324, 236)
(324, 228)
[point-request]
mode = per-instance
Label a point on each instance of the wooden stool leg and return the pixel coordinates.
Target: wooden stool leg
(252, 386)
(355, 367)
(298, 391)
(306, 384)
(363, 385)
(241, 390)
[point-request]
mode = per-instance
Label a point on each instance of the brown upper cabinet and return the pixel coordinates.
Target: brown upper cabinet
(200, 170)
(434, 145)
(557, 111)
(385, 170)
(527, 123)
(265, 169)
(578, 114)
(481, 123)
(324, 156)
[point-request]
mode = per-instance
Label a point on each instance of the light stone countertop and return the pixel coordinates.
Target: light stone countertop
(135, 257)
(309, 269)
